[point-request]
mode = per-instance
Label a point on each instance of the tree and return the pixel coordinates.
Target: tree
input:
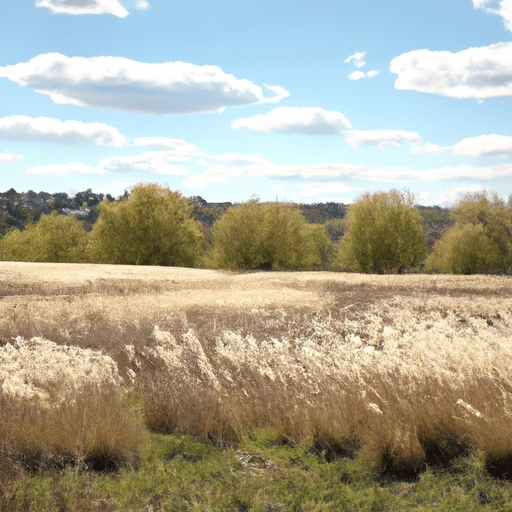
(263, 236)
(54, 238)
(480, 240)
(384, 235)
(152, 226)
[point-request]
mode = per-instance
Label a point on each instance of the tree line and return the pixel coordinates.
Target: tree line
(383, 232)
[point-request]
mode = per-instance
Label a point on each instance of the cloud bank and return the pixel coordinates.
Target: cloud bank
(49, 130)
(306, 120)
(476, 73)
(117, 83)
(85, 7)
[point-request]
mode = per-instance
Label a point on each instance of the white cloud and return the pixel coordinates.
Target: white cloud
(357, 58)
(49, 130)
(380, 138)
(142, 5)
(315, 189)
(10, 157)
(502, 8)
(116, 83)
(307, 120)
(356, 75)
(258, 167)
(153, 162)
(476, 73)
(85, 7)
(479, 146)
(179, 146)
(465, 172)
(427, 148)
(484, 145)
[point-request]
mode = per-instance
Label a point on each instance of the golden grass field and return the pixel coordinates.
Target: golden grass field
(413, 369)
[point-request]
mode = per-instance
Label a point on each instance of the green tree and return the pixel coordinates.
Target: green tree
(480, 240)
(54, 238)
(384, 235)
(263, 236)
(152, 226)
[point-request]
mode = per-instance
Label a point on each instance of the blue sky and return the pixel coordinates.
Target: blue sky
(307, 101)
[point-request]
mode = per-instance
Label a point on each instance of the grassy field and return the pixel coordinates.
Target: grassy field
(151, 388)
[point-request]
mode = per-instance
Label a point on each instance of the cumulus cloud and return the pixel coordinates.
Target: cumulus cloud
(49, 130)
(454, 194)
(85, 7)
(380, 138)
(476, 73)
(357, 59)
(307, 120)
(153, 162)
(502, 8)
(117, 83)
(10, 157)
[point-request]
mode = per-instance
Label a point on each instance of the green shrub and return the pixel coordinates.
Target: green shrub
(385, 234)
(480, 240)
(54, 238)
(153, 226)
(266, 236)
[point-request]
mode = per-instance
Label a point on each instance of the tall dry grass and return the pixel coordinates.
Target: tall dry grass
(409, 371)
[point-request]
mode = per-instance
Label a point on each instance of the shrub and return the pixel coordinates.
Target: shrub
(54, 238)
(265, 236)
(384, 235)
(153, 226)
(480, 240)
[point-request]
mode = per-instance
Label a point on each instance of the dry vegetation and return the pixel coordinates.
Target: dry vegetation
(409, 370)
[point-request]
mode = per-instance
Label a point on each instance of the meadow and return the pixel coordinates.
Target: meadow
(159, 388)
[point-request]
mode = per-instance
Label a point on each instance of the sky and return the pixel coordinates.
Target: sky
(303, 101)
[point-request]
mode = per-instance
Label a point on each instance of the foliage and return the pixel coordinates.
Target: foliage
(54, 238)
(384, 235)
(153, 226)
(265, 236)
(480, 240)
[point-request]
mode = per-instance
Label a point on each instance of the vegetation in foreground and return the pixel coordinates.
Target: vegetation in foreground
(393, 396)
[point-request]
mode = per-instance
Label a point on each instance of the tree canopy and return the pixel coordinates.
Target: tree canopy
(153, 226)
(385, 234)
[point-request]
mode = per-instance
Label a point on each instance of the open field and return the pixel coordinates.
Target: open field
(400, 373)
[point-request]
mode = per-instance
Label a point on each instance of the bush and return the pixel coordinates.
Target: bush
(385, 234)
(153, 226)
(264, 236)
(54, 238)
(480, 240)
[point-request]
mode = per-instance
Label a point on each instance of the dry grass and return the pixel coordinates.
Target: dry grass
(410, 370)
